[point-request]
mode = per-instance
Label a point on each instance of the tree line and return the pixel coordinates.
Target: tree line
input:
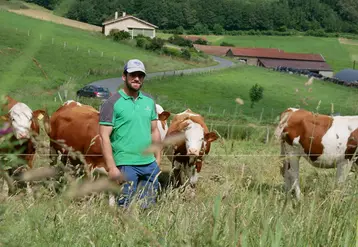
(213, 16)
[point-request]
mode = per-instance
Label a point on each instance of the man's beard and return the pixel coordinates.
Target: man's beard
(130, 88)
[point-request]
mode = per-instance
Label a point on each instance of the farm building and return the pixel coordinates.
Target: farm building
(274, 58)
(129, 23)
(348, 75)
(222, 50)
(213, 49)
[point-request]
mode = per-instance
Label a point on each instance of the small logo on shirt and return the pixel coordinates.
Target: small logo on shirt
(147, 108)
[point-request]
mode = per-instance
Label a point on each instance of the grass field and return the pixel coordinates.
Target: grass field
(62, 53)
(214, 94)
(239, 201)
(337, 55)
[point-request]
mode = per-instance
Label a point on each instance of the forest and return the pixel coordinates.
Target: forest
(213, 16)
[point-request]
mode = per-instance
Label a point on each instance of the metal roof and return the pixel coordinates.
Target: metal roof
(222, 50)
(309, 65)
(275, 53)
(349, 75)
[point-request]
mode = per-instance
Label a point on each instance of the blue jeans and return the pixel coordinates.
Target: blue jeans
(143, 177)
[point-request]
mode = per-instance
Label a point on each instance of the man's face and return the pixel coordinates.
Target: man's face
(134, 81)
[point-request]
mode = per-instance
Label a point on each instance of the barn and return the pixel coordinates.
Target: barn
(274, 58)
(129, 23)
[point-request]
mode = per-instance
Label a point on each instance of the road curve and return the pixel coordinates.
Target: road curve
(113, 83)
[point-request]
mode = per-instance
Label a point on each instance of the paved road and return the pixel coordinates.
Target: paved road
(113, 83)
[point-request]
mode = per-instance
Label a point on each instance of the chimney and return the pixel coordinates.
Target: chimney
(116, 15)
(124, 14)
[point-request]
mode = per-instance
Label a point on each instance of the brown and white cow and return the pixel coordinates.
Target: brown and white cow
(21, 125)
(74, 127)
(187, 157)
(325, 141)
(77, 126)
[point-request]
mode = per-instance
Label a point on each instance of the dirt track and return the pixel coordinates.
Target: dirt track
(47, 16)
(348, 41)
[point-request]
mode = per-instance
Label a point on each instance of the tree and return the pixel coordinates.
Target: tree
(256, 94)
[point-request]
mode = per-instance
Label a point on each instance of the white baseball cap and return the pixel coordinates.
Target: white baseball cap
(134, 65)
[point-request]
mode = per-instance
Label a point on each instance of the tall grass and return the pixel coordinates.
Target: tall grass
(239, 201)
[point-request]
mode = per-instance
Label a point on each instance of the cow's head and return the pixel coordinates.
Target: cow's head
(195, 138)
(20, 117)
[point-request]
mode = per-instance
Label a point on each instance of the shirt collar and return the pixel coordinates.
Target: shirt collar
(125, 96)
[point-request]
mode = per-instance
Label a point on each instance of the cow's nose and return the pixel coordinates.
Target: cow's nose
(23, 135)
(193, 151)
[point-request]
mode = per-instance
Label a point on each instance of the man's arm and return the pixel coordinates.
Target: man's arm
(105, 132)
(156, 139)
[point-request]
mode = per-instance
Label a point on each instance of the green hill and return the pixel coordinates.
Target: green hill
(37, 57)
(214, 94)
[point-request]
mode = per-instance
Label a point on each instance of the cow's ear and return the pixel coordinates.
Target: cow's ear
(164, 115)
(39, 114)
(210, 137)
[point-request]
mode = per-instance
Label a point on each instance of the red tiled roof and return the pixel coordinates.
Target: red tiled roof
(222, 50)
(276, 54)
(309, 65)
(213, 49)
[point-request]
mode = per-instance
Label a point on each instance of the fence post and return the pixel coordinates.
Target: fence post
(262, 112)
(267, 134)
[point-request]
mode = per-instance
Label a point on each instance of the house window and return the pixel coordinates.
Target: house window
(145, 32)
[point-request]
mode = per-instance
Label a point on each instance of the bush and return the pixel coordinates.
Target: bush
(117, 35)
(156, 44)
(179, 30)
(171, 51)
(256, 94)
(143, 43)
(180, 41)
(201, 41)
(185, 53)
(226, 44)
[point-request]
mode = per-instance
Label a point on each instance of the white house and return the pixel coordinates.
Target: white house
(129, 23)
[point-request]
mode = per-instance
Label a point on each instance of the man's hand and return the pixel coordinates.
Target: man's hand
(115, 174)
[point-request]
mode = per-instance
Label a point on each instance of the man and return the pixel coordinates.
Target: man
(128, 124)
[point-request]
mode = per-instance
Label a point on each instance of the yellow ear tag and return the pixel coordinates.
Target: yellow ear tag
(40, 116)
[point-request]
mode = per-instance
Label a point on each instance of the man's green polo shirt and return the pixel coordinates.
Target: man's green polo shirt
(131, 121)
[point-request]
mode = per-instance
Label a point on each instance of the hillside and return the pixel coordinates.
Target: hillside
(39, 56)
(214, 94)
(339, 53)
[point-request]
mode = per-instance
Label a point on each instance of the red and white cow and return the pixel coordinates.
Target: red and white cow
(77, 126)
(325, 141)
(22, 124)
(187, 157)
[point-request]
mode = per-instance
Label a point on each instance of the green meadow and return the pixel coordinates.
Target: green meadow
(213, 94)
(37, 57)
(239, 199)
